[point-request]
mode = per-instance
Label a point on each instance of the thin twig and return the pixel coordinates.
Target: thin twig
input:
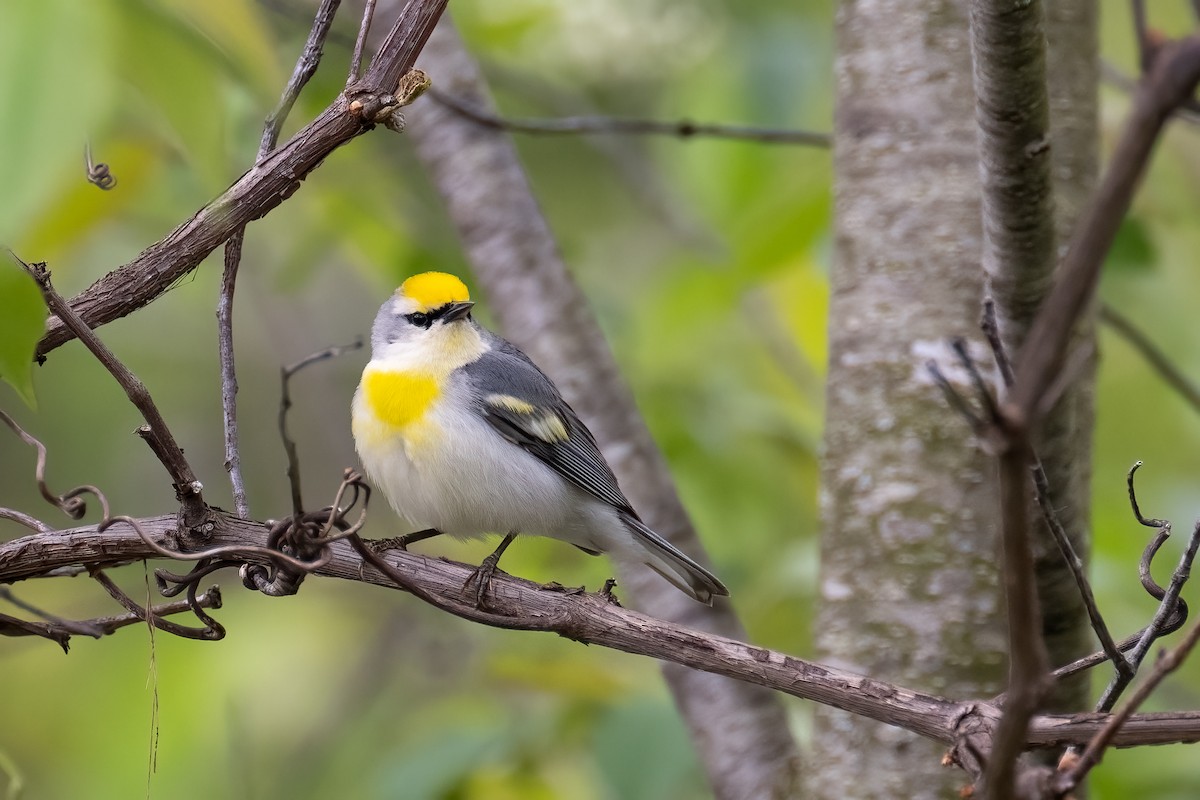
(955, 398)
(306, 67)
(1058, 532)
(683, 129)
(229, 383)
(1154, 356)
(285, 403)
(70, 626)
(13, 626)
(211, 632)
(1028, 675)
(157, 434)
(33, 523)
(1078, 571)
(1169, 82)
(208, 599)
(104, 626)
(1164, 616)
(1141, 35)
(1119, 79)
(364, 29)
(1167, 663)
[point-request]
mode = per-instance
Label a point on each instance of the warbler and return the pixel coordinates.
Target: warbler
(465, 436)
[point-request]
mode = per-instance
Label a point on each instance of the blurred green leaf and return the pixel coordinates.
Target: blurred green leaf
(54, 57)
(175, 74)
(433, 768)
(236, 31)
(644, 753)
(22, 321)
(1133, 249)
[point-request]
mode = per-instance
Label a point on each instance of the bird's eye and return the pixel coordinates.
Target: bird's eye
(419, 319)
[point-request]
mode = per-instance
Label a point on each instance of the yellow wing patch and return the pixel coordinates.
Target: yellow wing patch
(538, 422)
(399, 398)
(513, 404)
(548, 427)
(434, 289)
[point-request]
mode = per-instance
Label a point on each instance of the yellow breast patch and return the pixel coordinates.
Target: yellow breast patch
(399, 398)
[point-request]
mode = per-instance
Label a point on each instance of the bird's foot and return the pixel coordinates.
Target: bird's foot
(482, 575)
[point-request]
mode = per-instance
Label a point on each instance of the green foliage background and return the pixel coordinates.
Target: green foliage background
(707, 263)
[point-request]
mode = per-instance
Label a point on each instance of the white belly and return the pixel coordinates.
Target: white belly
(452, 471)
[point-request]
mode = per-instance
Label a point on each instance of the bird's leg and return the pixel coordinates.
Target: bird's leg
(607, 592)
(482, 576)
(402, 542)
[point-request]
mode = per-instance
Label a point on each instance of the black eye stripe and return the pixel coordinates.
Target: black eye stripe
(419, 319)
(426, 319)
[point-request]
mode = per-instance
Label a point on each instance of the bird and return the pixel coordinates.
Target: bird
(465, 435)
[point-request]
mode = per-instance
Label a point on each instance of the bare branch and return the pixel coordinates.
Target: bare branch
(1028, 680)
(364, 29)
(1078, 570)
(155, 432)
(1171, 610)
(33, 523)
(1041, 485)
(306, 67)
(60, 630)
(368, 102)
(229, 384)
(589, 618)
(683, 129)
(285, 403)
(1169, 82)
(1154, 356)
(1168, 663)
(302, 72)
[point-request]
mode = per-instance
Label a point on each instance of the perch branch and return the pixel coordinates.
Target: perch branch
(589, 618)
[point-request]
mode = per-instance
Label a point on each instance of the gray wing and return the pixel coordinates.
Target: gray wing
(525, 407)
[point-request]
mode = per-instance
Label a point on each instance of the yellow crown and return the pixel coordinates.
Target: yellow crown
(434, 289)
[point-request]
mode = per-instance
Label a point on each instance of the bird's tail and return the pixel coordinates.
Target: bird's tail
(668, 561)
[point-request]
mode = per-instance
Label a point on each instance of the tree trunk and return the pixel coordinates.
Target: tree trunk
(909, 584)
(740, 731)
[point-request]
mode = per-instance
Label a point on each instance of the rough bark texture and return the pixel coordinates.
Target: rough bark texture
(1018, 155)
(739, 731)
(1065, 440)
(909, 584)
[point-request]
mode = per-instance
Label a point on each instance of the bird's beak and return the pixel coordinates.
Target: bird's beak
(457, 311)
